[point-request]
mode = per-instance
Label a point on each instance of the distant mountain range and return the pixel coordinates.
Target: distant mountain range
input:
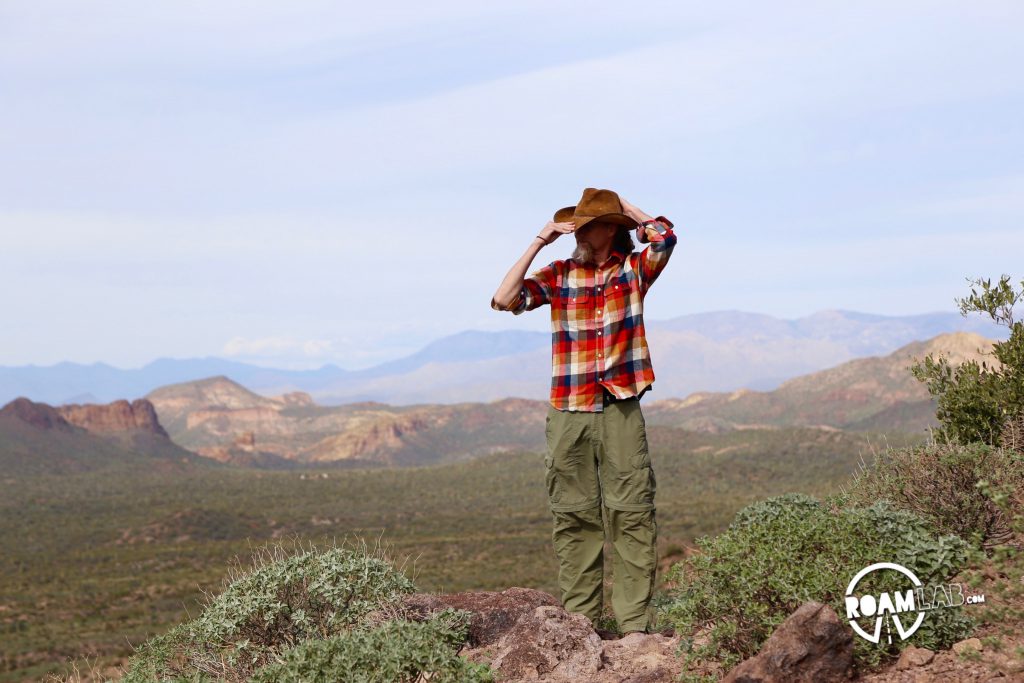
(224, 421)
(221, 419)
(716, 351)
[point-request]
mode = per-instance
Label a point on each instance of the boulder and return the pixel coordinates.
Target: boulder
(526, 635)
(812, 645)
(548, 644)
(914, 657)
(971, 644)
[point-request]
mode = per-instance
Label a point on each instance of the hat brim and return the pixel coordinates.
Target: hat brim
(567, 215)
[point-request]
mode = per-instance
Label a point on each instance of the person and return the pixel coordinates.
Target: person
(598, 473)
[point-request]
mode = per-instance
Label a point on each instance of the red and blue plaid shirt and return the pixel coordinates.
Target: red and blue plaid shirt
(597, 322)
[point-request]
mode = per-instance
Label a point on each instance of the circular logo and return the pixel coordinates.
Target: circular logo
(883, 606)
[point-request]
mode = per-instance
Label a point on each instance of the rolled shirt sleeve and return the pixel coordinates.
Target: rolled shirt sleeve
(655, 257)
(536, 291)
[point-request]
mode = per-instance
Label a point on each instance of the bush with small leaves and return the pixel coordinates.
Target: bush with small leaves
(285, 600)
(396, 651)
(784, 551)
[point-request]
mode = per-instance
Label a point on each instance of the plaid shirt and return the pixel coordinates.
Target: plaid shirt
(597, 322)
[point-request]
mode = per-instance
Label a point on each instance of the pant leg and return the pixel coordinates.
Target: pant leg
(634, 563)
(628, 487)
(574, 497)
(579, 544)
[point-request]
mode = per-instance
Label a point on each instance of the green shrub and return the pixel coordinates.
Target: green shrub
(282, 602)
(396, 651)
(955, 488)
(976, 402)
(784, 551)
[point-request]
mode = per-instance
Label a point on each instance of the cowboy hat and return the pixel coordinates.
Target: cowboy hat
(593, 205)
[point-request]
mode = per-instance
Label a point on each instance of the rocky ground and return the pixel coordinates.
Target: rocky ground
(995, 653)
(525, 635)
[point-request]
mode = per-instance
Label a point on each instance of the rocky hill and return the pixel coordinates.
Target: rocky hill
(221, 419)
(866, 394)
(36, 438)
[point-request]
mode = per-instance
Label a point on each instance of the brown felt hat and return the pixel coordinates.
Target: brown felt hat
(594, 204)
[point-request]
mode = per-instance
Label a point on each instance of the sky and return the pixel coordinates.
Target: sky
(308, 182)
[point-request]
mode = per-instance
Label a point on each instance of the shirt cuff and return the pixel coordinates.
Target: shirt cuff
(513, 305)
(660, 219)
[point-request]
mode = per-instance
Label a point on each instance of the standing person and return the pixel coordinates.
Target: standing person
(598, 471)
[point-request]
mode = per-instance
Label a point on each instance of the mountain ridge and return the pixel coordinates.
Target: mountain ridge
(709, 351)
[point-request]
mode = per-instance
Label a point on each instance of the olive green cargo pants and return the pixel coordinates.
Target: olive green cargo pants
(601, 485)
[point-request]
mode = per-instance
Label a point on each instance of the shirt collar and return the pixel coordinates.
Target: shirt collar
(617, 253)
(614, 254)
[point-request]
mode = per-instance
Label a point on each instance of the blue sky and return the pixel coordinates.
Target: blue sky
(303, 182)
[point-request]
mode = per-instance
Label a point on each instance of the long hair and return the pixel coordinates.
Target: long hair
(623, 242)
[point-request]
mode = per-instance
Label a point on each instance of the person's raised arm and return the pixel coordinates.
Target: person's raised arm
(511, 288)
(656, 231)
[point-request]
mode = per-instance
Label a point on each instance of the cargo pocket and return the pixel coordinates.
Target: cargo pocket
(641, 458)
(642, 479)
(551, 481)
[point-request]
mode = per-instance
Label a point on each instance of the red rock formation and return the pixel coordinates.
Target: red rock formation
(246, 441)
(297, 398)
(225, 421)
(119, 416)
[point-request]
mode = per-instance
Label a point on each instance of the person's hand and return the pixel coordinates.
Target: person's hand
(632, 211)
(642, 235)
(551, 232)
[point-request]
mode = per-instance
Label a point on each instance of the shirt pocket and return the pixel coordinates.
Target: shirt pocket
(623, 285)
(577, 306)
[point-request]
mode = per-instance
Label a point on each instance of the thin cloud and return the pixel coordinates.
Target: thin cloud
(268, 347)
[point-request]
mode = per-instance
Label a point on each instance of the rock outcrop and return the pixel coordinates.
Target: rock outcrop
(114, 418)
(380, 437)
(525, 635)
(813, 645)
(244, 453)
(207, 416)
